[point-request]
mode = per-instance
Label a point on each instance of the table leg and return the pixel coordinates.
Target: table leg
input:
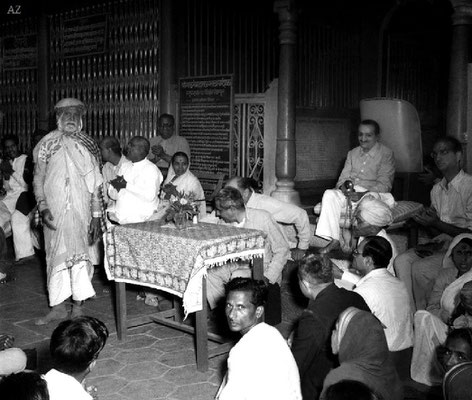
(120, 302)
(201, 331)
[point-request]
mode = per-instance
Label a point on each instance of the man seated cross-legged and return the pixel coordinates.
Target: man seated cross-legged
(260, 365)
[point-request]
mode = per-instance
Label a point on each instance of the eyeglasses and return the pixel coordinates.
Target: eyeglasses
(441, 153)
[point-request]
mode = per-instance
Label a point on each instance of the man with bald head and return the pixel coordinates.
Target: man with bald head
(136, 187)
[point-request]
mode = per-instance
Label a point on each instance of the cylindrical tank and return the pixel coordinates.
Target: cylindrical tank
(400, 130)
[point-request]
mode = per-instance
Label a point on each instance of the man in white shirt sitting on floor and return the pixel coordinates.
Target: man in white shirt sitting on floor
(386, 295)
(136, 187)
(284, 213)
(260, 365)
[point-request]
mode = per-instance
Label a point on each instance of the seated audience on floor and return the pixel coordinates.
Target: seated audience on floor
(18, 203)
(75, 346)
(347, 389)
(231, 209)
(260, 365)
(370, 168)
(113, 160)
(12, 359)
(166, 143)
(457, 382)
(363, 354)
(284, 213)
(450, 214)
(369, 219)
(179, 179)
(26, 385)
(135, 190)
(385, 294)
(310, 345)
(450, 306)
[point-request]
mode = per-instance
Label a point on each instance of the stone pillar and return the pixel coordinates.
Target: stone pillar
(167, 66)
(43, 74)
(285, 153)
(457, 96)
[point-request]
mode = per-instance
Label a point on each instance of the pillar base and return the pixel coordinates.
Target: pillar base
(285, 192)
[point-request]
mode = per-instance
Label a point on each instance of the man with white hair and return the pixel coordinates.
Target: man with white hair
(371, 217)
(67, 185)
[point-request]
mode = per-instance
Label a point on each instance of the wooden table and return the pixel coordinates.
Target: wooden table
(176, 261)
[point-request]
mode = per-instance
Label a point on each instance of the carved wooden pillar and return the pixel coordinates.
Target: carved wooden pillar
(43, 74)
(457, 96)
(285, 153)
(167, 66)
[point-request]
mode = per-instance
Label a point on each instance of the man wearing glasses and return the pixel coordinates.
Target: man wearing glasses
(385, 294)
(449, 215)
(166, 143)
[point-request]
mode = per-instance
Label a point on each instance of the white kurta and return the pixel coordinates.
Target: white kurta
(284, 213)
(62, 386)
(138, 201)
(261, 366)
(388, 300)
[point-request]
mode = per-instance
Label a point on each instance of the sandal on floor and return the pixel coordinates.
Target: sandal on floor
(4, 278)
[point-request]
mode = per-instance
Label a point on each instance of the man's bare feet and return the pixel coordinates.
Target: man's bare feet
(333, 245)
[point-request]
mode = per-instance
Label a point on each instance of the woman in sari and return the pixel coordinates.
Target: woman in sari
(444, 309)
(360, 342)
(180, 179)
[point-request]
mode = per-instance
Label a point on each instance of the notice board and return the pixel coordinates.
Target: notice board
(206, 105)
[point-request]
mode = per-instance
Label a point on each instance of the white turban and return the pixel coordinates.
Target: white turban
(374, 211)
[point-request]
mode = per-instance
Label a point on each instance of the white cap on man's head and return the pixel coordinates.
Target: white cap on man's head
(69, 102)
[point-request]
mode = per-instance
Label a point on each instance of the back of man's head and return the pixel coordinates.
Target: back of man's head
(257, 289)
(315, 269)
(379, 249)
(229, 197)
(26, 385)
(76, 343)
(112, 143)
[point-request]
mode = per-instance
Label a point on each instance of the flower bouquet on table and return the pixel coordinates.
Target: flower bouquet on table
(182, 208)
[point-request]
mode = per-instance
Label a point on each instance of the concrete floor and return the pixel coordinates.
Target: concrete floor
(154, 362)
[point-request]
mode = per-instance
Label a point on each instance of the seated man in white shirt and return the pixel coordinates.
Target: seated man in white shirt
(113, 159)
(283, 213)
(230, 208)
(386, 295)
(19, 201)
(260, 365)
(136, 187)
(370, 167)
(75, 346)
(450, 214)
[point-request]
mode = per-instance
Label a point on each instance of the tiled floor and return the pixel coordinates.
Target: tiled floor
(154, 362)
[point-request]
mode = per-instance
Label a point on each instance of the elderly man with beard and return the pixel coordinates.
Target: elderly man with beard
(67, 186)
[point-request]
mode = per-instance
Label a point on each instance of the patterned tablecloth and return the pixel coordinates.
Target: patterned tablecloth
(173, 260)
